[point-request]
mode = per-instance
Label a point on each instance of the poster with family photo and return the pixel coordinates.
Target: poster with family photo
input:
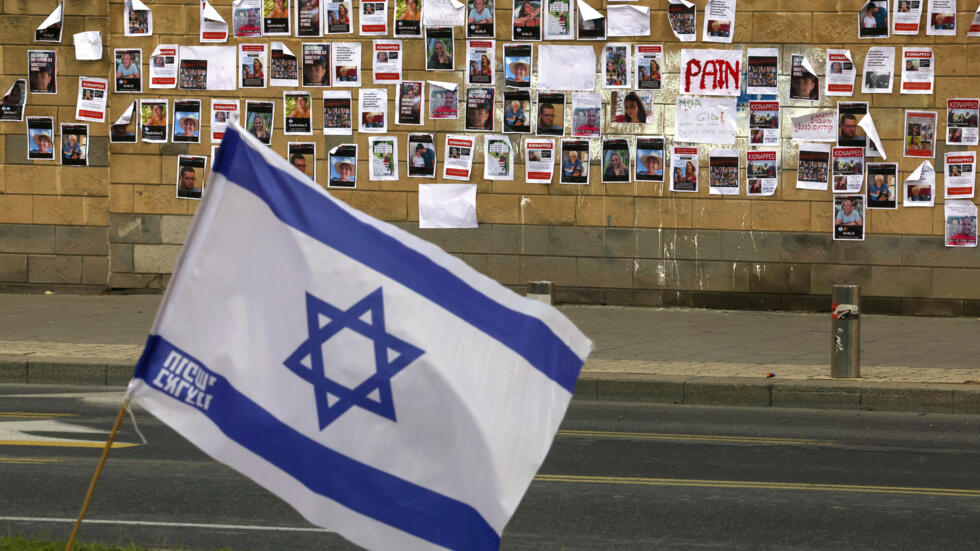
(342, 166)
(480, 61)
(246, 18)
(804, 83)
(74, 144)
(439, 49)
(163, 67)
(526, 24)
(558, 17)
(316, 64)
(586, 114)
(480, 22)
(338, 17)
(337, 118)
(920, 134)
(539, 160)
(259, 119)
(518, 61)
(129, 70)
(882, 185)
(813, 166)
(761, 172)
(479, 109)
(372, 106)
(574, 162)
(408, 18)
(616, 160)
(223, 111)
(191, 172)
(649, 159)
(275, 17)
(251, 63)
(443, 100)
(764, 123)
(649, 60)
(138, 19)
(517, 111)
(154, 124)
(387, 64)
(373, 20)
(40, 138)
(124, 129)
(962, 121)
(591, 23)
(346, 62)
(302, 155)
(847, 169)
(297, 113)
(723, 173)
(685, 163)
(309, 18)
(284, 70)
(616, 66)
(633, 107)
(411, 102)
(421, 155)
(873, 19)
(187, 121)
(498, 158)
(849, 218)
(42, 71)
(13, 102)
(551, 114)
(383, 158)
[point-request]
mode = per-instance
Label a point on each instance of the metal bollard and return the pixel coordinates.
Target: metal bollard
(539, 290)
(845, 348)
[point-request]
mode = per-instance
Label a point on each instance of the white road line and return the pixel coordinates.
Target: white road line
(168, 524)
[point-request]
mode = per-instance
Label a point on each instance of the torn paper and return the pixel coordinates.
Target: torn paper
(566, 68)
(88, 45)
(447, 206)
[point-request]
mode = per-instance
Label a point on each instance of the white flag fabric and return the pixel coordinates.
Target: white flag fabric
(379, 385)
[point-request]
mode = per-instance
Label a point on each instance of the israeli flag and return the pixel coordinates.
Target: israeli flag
(379, 385)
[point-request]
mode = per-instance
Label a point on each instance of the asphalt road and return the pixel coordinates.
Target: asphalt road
(618, 477)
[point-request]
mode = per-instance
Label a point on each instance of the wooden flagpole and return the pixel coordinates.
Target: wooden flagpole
(95, 477)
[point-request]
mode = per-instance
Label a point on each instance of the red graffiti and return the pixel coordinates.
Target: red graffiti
(716, 74)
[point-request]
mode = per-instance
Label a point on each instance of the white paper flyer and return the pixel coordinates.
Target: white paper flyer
(459, 157)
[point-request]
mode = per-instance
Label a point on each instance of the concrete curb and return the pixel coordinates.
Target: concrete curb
(852, 395)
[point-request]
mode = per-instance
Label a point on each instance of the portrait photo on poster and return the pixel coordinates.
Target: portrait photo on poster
(649, 159)
(338, 17)
(129, 72)
(74, 144)
(804, 84)
(421, 155)
(316, 64)
(480, 61)
(850, 218)
(684, 165)
(518, 65)
(154, 124)
(187, 121)
(480, 18)
(882, 185)
(302, 156)
(517, 111)
(574, 162)
(526, 20)
(191, 173)
(633, 107)
(342, 166)
(443, 100)
(297, 113)
(275, 17)
(42, 71)
(40, 138)
(408, 18)
(873, 19)
(411, 102)
(479, 109)
(439, 49)
(616, 160)
(649, 60)
(551, 114)
(259, 120)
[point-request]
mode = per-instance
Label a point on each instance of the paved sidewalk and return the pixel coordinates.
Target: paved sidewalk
(641, 354)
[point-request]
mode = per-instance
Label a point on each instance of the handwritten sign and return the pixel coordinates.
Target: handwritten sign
(705, 120)
(816, 127)
(711, 72)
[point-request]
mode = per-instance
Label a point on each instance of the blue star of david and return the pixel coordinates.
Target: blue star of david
(385, 368)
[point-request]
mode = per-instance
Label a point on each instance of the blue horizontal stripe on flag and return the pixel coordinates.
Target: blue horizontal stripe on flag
(371, 492)
(315, 215)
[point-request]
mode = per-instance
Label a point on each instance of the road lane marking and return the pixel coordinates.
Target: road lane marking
(250, 527)
(29, 460)
(695, 437)
(746, 485)
(78, 444)
(25, 433)
(33, 415)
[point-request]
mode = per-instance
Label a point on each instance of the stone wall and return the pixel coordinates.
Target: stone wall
(118, 225)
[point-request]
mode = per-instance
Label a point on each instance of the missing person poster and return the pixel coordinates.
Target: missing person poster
(480, 61)
(517, 111)
(163, 66)
(685, 163)
(443, 100)
(187, 121)
(849, 218)
(50, 29)
(223, 111)
(259, 119)
(342, 166)
(338, 17)
(649, 159)
(439, 49)
(882, 185)
(92, 95)
(518, 61)
(246, 18)
(848, 169)
(941, 18)
(920, 134)
(879, 67)
(297, 113)
(918, 70)
(411, 102)
(154, 124)
(479, 109)
(961, 223)
(387, 64)
(421, 156)
(906, 16)
(616, 160)
(207, 68)
(920, 187)
(213, 27)
(873, 19)
(574, 162)
(408, 18)
(285, 66)
(275, 17)
(316, 64)
(840, 73)
(849, 132)
(633, 107)
(591, 22)
(129, 71)
(723, 172)
(962, 121)
(480, 18)
(813, 168)
(346, 62)
(498, 158)
(586, 114)
(252, 61)
(719, 22)
(74, 144)
(191, 172)
(42, 71)
(302, 155)
(539, 160)
(124, 129)
(373, 110)
(526, 20)
(551, 114)
(649, 60)
(804, 84)
(458, 164)
(960, 169)
(761, 172)
(13, 102)
(616, 66)
(764, 123)
(40, 138)
(383, 158)
(337, 110)
(704, 119)
(763, 71)
(309, 19)
(558, 17)
(137, 19)
(374, 18)
(683, 18)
